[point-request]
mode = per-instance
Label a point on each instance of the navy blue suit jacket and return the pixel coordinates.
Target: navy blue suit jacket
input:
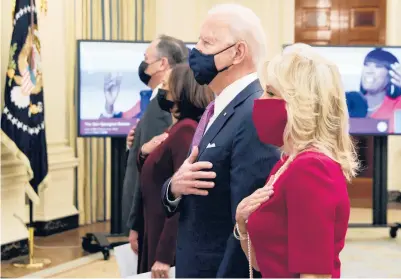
(206, 246)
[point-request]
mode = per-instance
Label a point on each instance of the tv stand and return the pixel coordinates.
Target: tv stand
(379, 196)
(98, 242)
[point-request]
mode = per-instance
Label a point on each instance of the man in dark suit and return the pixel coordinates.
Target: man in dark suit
(227, 162)
(161, 55)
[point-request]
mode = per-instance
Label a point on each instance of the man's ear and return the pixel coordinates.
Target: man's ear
(164, 64)
(240, 52)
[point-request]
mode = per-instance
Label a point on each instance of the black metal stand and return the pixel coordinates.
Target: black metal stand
(118, 165)
(379, 197)
(98, 242)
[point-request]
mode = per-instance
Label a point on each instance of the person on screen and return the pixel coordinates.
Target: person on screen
(162, 54)
(112, 86)
(380, 88)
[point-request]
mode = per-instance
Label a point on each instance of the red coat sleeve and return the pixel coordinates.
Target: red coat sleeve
(310, 198)
(179, 144)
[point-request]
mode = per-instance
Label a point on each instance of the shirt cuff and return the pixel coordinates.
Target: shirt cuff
(173, 203)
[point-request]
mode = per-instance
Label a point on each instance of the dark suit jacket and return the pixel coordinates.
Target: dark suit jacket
(206, 246)
(154, 122)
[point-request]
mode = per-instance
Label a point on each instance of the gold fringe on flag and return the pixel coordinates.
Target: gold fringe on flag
(13, 3)
(43, 6)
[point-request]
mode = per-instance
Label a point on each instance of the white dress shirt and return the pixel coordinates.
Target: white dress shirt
(228, 94)
(155, 91)
(220, 103)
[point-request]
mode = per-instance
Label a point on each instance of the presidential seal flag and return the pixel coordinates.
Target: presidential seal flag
(22, 120)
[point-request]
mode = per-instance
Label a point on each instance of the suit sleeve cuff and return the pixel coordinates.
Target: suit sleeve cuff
(172, 202)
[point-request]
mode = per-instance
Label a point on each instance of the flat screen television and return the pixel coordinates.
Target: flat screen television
(111, 97)
(371, 79)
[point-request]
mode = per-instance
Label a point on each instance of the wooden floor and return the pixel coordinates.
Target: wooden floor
(59, 248)
(66, 246)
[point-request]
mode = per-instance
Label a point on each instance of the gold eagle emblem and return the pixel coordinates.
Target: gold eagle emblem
(28, 60)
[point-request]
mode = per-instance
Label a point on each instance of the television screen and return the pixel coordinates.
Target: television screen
(371, 79)
(111, 97)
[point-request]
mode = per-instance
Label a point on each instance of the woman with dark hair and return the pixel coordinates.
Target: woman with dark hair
(380, 88)
(161, 157)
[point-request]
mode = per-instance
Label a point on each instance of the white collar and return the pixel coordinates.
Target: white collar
(230, 92)
(154, 92)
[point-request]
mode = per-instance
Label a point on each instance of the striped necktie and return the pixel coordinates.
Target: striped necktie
(200, 130)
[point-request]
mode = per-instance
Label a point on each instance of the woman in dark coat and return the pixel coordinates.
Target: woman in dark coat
(159, 158)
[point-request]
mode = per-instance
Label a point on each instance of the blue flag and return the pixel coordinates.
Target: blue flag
(23, 120)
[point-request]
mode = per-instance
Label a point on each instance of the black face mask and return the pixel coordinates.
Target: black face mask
(204, 66)
(164, 104)
(144, 77)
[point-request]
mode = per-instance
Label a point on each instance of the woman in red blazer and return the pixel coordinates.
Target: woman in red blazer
(299, 231)
(161, 157)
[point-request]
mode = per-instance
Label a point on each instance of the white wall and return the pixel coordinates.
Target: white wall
(57, 200)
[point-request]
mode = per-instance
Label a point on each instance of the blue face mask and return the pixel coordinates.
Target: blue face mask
(204, 67)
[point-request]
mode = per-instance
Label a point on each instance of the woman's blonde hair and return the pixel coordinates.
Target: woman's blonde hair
(316, 106)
